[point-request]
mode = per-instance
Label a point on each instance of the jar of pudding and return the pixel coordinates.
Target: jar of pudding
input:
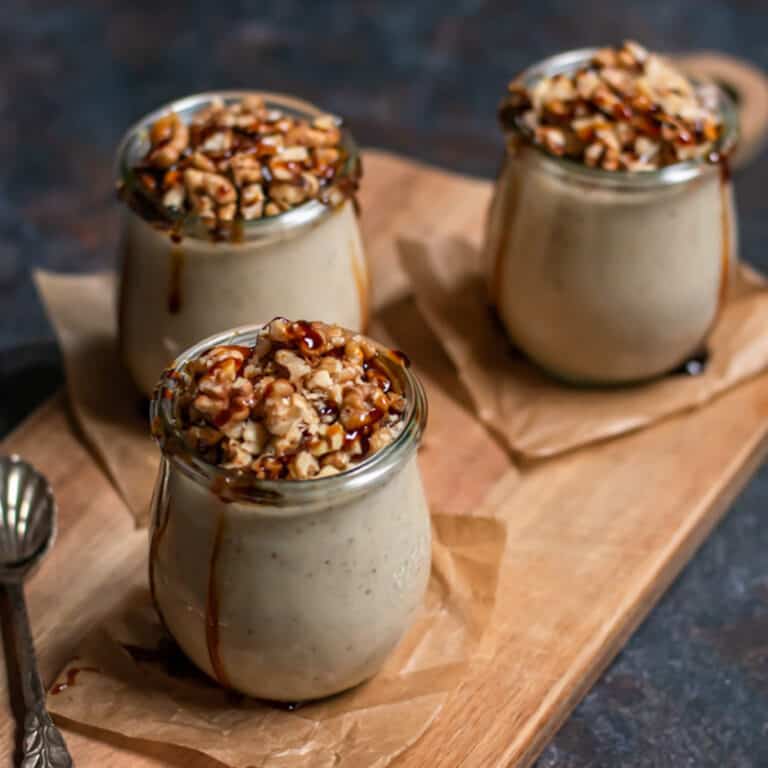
(612, 232)
(290, 542)
(237, 205)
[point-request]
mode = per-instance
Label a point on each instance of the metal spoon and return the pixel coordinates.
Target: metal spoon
(27, 530)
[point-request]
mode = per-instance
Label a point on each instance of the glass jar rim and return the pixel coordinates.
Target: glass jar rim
(357, 480)
(676, 173)
(268, 227)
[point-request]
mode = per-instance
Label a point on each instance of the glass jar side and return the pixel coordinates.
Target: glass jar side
(290, 607)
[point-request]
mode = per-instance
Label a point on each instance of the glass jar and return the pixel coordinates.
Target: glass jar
(180, 286)
(288, 590)
(609, 276)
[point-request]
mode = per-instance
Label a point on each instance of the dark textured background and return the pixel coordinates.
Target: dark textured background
(423, 78)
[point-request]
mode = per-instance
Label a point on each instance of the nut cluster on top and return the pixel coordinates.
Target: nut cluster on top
(627, 109)
(306, 400)
(243, 160)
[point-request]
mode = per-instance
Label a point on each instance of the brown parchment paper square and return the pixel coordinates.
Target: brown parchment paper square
(128, 679)
(536, 416)
(111, 413)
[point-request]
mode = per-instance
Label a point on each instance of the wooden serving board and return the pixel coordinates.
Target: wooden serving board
(594, 537)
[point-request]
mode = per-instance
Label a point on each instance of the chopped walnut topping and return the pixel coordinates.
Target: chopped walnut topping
(306, 400)
(242, 161)
(626, 110)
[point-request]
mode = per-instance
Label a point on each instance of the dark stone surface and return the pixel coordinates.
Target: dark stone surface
(691, 688)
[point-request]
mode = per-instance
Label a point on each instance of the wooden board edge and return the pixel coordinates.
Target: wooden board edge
(648, 599)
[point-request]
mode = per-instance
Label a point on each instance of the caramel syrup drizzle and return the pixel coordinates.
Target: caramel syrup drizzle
(212, 607)
(161, 515)
(725, 218)
(362, 281)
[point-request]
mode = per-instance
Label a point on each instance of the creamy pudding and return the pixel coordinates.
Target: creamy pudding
(612, 231)
(290, 545)
(238, 205)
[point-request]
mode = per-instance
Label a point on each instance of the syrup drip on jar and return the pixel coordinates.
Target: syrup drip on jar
(725, 223)
(697, 364)
(160, 520)
(176, 270)
(212, 604)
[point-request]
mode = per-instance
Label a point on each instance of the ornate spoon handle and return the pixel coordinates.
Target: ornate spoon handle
(43, 745)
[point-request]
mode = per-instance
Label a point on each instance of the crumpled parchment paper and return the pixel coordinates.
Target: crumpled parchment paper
(533, 414)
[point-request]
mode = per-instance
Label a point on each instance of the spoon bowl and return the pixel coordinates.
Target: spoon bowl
(27, 517)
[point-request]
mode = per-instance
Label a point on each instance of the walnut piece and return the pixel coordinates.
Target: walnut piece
(305, 400)
(169, 137)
